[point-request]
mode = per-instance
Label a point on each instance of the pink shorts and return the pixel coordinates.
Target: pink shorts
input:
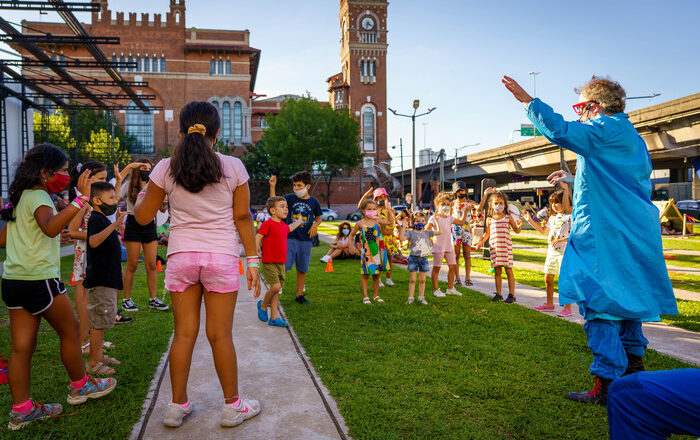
(216, 272)
(449, 256)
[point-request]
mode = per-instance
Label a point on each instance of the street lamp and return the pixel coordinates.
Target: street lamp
(401, 153)
(534, 83)
(416, 104)
(454, 168)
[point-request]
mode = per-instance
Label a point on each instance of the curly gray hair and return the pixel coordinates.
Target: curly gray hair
(605, 92)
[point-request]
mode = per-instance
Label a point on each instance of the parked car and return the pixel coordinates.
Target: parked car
(328, 214)
(399, 208)
(689, 207)
(355, 216)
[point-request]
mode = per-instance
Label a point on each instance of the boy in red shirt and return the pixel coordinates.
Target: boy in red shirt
(272, 238)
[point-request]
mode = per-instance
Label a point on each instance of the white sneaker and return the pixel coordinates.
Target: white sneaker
(175, 413)
(388, 282)
(381, 284)
(439, 293)
(325, 258)
(410, 301)
(235, 415)
(453, 291)
(422, 300)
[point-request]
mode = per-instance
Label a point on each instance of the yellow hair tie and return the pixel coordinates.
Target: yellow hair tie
(197, 128)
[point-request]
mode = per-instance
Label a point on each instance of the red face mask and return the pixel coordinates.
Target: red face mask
(58, 184)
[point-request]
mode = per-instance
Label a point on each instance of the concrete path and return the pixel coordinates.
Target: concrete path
(670, 340)
(272, 368)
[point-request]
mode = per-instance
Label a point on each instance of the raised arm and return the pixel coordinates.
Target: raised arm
(97, 239)
(272, 182)
(566, 198)
(52, 225)
(365, 196)
(538, 227)
(74, 226)
(485, 198)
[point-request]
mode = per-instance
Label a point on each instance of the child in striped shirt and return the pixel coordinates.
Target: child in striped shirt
(498, 225)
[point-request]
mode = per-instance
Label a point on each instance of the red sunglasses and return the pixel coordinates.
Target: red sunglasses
(581, 106)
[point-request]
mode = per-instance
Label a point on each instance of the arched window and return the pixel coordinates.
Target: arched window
(221, 67)
(162, 64)
(140, 126)
(212, 67)
(131, 60)
(138, 64)
(237, 122)
(368, 128)
(226, 122)
(146, 64)
(155, 64)
(122, 60)
(228, 67)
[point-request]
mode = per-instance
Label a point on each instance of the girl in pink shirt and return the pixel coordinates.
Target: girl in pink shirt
(209, 206)
(442, 247)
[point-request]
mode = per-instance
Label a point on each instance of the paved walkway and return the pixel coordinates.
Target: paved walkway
(271, 368)
(672, 341)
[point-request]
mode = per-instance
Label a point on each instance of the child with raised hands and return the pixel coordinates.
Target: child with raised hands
(31, 285)
(381, 198)
(498, 225)
(557, 230)
(373, 255)
(461, 234)
(442, 247)
(420, 246)
(271, 241)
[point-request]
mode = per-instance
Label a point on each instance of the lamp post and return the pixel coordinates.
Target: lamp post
(534, 83)
(401, 153)
(416, 104)
(454, 168)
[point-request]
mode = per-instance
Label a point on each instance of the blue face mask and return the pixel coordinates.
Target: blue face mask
(346, 231)
(418, 226)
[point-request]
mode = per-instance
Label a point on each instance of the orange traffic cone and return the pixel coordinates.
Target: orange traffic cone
(329, 265)
(240, 267)
(72, 283)
(159, 266)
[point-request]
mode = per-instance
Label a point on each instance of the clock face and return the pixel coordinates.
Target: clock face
(367, 23)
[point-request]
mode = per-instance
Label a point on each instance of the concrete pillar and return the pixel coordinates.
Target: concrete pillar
(696, 186)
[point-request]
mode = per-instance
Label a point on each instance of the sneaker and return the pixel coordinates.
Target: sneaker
(39, 411)
(121, 319)
(381, 284)
(262, 314)
(496, 298)
(564, 313)
(279, 322)
(510, 299)
(129, 306)
(235, 415)
(599, 393)
(155, 303)
(422, 300)
(439, 293)
(325, 258)
(453, 291)
(301, 300)
(388, 282)
(544, 308)
(410, 301)
(175, 413)
(93, 389)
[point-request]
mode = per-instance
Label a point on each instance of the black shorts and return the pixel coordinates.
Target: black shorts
(34, 296)
(133, 231)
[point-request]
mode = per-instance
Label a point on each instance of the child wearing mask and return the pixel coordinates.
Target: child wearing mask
(420, 244)
(461, 234)
(342, 244)
(442, 248)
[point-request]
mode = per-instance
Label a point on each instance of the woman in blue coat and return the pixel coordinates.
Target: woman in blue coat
(614, 267)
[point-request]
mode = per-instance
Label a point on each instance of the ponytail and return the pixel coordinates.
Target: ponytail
(194, 164)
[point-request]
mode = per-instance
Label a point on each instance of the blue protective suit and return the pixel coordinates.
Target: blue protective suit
(614, 266)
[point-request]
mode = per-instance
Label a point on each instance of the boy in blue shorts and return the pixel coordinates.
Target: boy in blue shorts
(301, 205)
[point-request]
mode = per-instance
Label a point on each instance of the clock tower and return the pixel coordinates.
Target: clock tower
(361, 85)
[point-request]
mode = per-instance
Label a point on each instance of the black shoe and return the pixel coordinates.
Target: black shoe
(510, 299)
(496, 298)
(121, 319)
(599, 393)
(301, 300)
(635, 364)
(155, 303)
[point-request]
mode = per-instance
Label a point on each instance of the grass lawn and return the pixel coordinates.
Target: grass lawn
(684, 260)
(688, 315)
(458, 368)
(138, 345)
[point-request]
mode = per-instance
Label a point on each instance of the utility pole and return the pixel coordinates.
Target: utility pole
(534, 83)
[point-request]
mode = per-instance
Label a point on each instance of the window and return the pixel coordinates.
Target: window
(262, 122)
(228, 67)
(216, 104)
(226, 122)
(221, 67)
(138, 64)
(146, 64)
(122, 60)
(63, 60)
(155, 64)
(212, 67)
(140, 126)
(368, 128)
(237, 122)
(131, 60)
(162, 65)
(368, 162)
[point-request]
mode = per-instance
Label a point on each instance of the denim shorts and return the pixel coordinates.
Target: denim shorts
(298, 254)
(418, 264)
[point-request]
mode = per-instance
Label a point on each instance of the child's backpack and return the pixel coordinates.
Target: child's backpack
(3, 369)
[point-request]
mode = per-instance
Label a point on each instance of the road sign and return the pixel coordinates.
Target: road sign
(529, 130)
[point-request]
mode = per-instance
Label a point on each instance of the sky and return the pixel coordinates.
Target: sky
(451, 54)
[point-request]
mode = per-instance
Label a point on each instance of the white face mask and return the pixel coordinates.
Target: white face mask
(301, 193)
(499, 208)
(445, 209)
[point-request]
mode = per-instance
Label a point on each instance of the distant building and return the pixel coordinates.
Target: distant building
(427, 156)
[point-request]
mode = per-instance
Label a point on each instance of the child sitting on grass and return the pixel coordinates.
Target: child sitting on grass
(373, 254)
(103, 274)
(498, 225)
(342, 245)
(558, 228)
(272, 246)
(419, 243)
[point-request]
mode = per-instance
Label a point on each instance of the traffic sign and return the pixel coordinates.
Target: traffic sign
(529, 130)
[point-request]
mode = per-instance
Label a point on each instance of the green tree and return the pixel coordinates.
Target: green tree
(308, 136)
(257, 162)
(103, 148)
(55, 129)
